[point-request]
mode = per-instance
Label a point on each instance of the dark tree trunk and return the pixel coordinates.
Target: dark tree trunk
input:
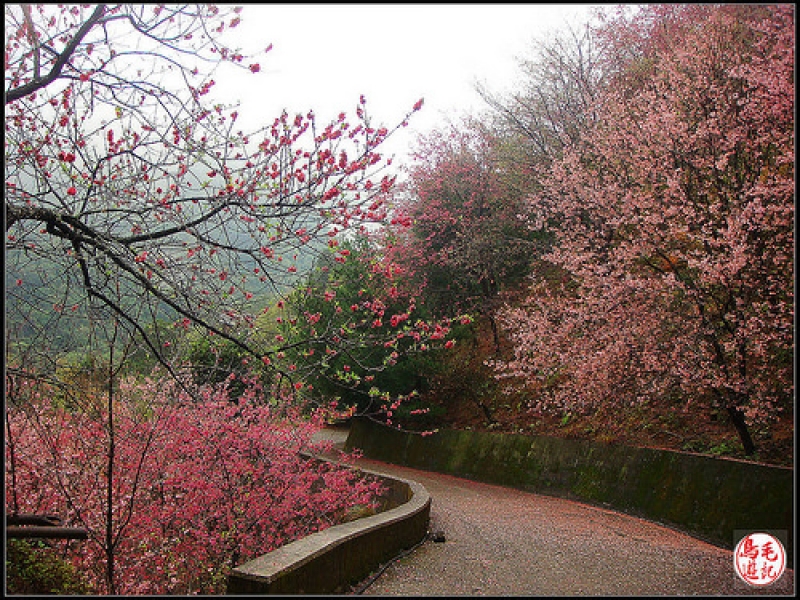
(487, 413)
(495, 332)
(737, 418)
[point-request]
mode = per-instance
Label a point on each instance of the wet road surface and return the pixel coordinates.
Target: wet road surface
(499, 541)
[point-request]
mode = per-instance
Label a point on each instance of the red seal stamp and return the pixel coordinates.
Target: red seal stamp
(759, 559)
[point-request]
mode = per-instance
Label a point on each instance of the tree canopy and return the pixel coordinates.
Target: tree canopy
(131, 194)
(673, 222)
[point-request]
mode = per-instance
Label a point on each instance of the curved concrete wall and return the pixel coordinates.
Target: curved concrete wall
(331, 559)
(718, 500)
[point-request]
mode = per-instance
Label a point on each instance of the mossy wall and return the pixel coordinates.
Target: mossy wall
(710, 498)
(332, 559)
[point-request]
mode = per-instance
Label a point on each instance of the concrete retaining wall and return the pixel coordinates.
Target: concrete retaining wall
(718, 500)
(331, 559)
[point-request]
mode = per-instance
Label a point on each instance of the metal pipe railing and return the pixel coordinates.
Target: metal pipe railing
(41, 526)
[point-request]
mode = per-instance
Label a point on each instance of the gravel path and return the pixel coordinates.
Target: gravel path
(499, 541)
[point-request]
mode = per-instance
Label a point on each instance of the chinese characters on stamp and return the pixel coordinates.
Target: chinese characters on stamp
(759, 559)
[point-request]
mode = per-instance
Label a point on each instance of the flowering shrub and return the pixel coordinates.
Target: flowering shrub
(173, 491)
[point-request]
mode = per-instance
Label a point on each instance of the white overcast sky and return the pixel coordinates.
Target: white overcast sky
(325, 56)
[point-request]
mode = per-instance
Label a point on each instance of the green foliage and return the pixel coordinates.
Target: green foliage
(464, 240)
(213, 359)
(33, 567)
(364, 354)
(724, 448)
(417, 413)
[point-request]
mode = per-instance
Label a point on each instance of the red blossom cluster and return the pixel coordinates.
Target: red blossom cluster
(196, 488)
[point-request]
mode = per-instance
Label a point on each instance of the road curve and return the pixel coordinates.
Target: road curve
(499, 541)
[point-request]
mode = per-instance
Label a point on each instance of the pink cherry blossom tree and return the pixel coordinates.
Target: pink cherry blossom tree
(128, 186)
(673, 223)
(457, 227)
(133, 199)
(194, 488)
